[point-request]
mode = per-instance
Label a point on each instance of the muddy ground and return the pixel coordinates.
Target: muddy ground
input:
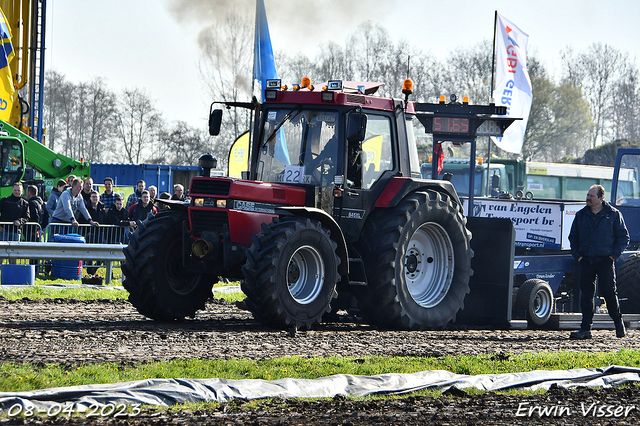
(74, 332)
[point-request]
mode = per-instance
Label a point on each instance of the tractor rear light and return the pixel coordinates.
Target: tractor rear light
(221, 204)
(270, 95)
(337, 192)
(327, 96)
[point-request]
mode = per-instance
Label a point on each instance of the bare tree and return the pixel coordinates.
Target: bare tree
(597, 72)
(100, 113)
(468, 72)
(183, 144)
(370, 45)
(626, 107)
(137, 123)
(226, 68)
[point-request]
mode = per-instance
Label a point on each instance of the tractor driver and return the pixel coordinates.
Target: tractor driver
(328, 155)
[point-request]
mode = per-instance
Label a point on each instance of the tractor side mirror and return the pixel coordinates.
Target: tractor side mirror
(215, 121)
(356, 127)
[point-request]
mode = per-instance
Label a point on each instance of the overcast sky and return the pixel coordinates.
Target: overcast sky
(152, 44)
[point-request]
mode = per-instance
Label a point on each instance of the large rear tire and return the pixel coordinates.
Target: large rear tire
(291, 273)
(629, 285)
(417, 257)
(159, 286)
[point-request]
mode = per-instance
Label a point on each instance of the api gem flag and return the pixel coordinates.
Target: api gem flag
(7, 89)
(513, 86)
(264, 68)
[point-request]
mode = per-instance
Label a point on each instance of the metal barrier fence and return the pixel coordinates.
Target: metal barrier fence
(30, 244)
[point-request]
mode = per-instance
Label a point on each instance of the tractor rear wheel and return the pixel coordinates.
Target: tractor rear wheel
(159, 286)
(291, 273)
(417, 258)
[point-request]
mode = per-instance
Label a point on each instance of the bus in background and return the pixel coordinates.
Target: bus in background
(560, 181)
(503, 175)
(551, 181)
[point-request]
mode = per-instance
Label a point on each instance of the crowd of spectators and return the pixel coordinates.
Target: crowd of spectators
(73, 202)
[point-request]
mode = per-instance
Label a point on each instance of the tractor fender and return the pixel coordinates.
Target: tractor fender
(327, 221)
(399, 187)
(173, 204)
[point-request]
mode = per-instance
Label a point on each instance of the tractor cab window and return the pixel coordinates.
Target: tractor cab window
(11, 162)
(299, 146)
(376, 149)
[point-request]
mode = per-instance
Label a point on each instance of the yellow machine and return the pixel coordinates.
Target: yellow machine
(22, 28)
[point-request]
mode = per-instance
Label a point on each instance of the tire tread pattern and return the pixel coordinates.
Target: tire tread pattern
(151, 295)
(384, 235)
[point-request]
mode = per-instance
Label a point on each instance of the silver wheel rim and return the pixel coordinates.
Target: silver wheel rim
(305, 275)
(542, 303)
(429, 264)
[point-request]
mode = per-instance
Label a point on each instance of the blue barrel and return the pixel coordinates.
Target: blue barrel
(67, 269)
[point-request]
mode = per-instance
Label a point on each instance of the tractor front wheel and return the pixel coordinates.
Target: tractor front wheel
(291, 273)
(159, 286)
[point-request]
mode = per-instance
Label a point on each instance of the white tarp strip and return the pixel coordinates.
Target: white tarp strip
(166, 392)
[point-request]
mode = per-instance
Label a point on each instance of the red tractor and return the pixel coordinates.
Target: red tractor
(331, 214)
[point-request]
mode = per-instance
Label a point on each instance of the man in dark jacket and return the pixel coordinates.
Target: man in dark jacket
(36, 213)
(117, 215)
(598, 237)
(96, 210)
(15, 210)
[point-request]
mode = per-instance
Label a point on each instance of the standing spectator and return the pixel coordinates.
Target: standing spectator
(70, 180)
(13, 209)
(598, 237)
(178, 192)
(117, 215)
(52, 202)
(133, 198)
(95, 207)
(87, 187)
(36, 214)
(108, 197)
(142, 208)
(153, 192)
(71, 204)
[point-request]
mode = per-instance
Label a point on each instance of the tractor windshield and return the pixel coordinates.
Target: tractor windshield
(299, 146)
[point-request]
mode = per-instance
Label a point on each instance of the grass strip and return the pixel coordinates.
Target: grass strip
(39, 291)
(15, 377)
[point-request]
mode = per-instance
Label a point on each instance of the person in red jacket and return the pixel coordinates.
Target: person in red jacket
(141, 209)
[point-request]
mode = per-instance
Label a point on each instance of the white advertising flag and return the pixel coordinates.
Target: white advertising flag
(513, 86)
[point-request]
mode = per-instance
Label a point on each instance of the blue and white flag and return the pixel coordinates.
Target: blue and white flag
(264, 65)
(264, 68)
(513, 86)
